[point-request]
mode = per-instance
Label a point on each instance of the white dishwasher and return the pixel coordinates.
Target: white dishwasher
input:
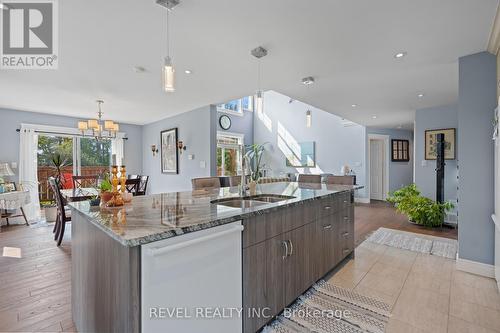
(193, 283)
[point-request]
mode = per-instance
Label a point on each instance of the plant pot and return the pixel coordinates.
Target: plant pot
(50, 214)
(252, 186)
(106, 196)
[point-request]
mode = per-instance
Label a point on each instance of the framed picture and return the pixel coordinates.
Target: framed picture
(169, 152)
(431, 143)
(400, 150)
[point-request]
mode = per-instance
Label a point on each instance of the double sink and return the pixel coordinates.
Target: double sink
(251, 201)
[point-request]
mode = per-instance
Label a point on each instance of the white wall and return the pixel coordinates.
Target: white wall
(336, 145)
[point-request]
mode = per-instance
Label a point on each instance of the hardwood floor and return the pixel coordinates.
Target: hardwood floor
(35, 290)
(370, 217)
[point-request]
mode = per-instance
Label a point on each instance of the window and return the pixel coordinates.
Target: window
(229, 154)
(237, 106)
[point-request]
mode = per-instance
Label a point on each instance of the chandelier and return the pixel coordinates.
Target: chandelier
(98, 128)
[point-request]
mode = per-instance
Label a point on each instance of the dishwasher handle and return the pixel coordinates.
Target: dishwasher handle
(157, 251)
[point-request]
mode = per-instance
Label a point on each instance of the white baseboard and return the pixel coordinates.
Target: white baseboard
(475, 267)
(362, 200)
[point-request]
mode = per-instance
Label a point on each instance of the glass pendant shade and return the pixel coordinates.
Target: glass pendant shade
(168, 75)
(259, 102)
(82, 125)
(116, 128)
(308, 118)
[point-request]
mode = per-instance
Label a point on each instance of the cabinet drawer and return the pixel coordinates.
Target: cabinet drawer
(299, 215)
(344, 200)
(327, 206)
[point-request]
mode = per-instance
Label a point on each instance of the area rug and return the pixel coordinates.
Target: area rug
(437, 246)
(327, 308)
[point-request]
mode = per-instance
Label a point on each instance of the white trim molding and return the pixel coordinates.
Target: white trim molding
(475, 267)
(362, 200)
(494, 41)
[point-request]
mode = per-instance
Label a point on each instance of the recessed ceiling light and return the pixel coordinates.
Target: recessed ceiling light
(188, 71)
(420, 95)
(354, 105)
(308, 80)
(400, 55)
(374, 117)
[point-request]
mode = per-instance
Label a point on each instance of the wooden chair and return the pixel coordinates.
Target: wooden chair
(205, 183)
(234, 181)
(309, 178)
(132, 186)
(143, 185)
(62, 214)
(85, 181)
(340, 180)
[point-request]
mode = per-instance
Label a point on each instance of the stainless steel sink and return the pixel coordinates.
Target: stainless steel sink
(270, 197)
(251, 201)
(238, 202)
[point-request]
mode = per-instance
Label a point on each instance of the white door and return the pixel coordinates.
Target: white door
(377, 169)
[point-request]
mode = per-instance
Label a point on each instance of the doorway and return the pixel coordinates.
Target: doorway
(378, 166)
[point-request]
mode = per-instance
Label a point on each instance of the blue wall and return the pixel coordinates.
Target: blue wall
(195, 130)
(239, 124)
(425, 175)
(400, 173)
(477, 100)
(12, 119)
(336, 145)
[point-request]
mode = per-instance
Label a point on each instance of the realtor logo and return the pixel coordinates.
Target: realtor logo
(29, 34)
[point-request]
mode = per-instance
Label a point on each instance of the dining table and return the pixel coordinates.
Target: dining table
(79, 194)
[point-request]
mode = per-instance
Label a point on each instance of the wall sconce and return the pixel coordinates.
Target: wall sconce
(154, 149)
(181, 146)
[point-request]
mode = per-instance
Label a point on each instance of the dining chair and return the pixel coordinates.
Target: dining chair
(85, 181)
(205, 183)
(133, 176)
(63, 216)
(309, 178)
(132, 186)
(234, 181)
(340, 180)
(143, 185)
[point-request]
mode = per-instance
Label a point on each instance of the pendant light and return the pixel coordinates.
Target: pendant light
(258, 53)
(168, 71)
(308, 118)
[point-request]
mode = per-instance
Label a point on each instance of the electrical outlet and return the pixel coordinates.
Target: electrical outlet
(203, 164)
(424, 163)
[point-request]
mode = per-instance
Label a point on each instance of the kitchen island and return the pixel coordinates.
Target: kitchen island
(205, 260)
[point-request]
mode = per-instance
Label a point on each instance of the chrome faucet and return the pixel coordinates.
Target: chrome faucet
(243, 183)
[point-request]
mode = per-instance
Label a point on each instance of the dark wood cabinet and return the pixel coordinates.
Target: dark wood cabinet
(263, 278)
(286, 251)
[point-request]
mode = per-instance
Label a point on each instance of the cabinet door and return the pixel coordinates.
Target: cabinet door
(263, 280)
(327, 243)
(298, 274)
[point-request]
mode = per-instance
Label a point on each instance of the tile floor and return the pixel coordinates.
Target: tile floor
(427, 293)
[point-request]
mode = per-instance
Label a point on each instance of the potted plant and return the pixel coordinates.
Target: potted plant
(58, 163)
(253, 158)
(105, 188)
(419, 209)
(50, 210)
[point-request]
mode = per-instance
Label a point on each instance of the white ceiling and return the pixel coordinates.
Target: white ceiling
(348, 46)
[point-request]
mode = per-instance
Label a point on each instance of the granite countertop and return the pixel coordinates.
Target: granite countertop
(159, 216)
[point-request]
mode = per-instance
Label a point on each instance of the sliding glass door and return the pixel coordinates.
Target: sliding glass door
(72, 155)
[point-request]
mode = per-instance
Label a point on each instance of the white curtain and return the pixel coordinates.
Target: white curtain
(117, 148)
(28, 167)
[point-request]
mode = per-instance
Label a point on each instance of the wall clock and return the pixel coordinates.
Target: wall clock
(225, 122)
